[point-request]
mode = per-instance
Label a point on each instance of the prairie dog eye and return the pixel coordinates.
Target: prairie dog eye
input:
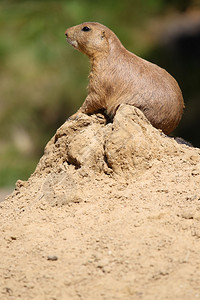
(86, 28)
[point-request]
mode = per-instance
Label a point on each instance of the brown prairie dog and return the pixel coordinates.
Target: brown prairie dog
(118, 76)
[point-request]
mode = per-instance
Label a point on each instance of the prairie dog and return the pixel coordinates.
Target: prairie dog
(118, 76)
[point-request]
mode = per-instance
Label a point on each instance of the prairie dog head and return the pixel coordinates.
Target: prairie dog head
(89, 38)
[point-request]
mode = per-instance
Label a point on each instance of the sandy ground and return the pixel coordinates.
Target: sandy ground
(4, 192)
(112, 211)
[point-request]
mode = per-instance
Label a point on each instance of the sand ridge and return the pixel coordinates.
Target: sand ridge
(112, 211)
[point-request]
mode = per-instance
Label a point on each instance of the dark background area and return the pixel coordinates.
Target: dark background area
(43, 79)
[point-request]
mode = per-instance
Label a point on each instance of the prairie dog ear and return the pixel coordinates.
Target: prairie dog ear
(103, 34)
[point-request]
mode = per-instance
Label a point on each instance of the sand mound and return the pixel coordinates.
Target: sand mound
(112, 211)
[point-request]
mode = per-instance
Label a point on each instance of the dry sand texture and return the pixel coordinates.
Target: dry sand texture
(112, 211)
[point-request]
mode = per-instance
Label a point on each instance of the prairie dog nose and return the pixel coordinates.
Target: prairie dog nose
(66, 34)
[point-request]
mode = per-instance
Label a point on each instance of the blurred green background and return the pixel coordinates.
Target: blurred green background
(43, 79)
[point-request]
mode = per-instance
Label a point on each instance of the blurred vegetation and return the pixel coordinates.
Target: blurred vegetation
(43, 80)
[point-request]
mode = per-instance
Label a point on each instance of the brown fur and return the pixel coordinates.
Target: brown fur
(119, 76)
